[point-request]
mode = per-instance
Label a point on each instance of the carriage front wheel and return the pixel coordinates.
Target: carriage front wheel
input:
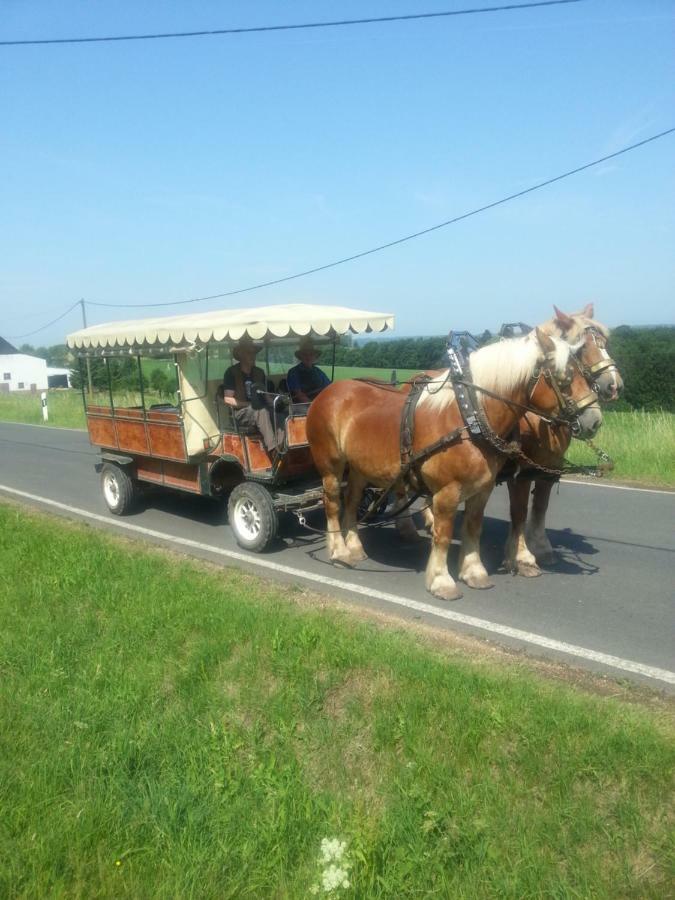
(120, 492)
(252, 516)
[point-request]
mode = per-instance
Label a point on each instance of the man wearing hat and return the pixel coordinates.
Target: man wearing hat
(306, 380)
(239, 383)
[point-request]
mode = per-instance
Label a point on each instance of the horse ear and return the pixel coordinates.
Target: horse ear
(588, 311)
(566, 322)
(545, 341)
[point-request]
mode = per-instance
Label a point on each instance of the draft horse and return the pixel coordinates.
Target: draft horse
(356, 425)
(546, 442)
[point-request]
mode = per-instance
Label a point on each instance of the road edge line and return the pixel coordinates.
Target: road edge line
(615, 662)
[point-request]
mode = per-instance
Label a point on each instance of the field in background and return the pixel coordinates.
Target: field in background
(172, 731)
(642, 444)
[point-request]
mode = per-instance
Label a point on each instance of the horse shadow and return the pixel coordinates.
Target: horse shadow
(386, 549)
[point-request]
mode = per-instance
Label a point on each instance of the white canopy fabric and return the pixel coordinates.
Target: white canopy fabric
(296, 319)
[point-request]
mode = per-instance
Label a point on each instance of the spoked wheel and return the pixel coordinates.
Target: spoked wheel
(252, 516)
(120, 492)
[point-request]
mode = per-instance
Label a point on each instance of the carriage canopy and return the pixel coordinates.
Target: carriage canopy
(174, 333)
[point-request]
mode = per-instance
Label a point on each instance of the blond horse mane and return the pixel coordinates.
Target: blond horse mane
(500, 367)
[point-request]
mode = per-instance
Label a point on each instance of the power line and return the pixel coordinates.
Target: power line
(15, 337)
(401, 240)
(291, 27)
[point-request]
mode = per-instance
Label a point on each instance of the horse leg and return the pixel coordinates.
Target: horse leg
(428, 518)
(471, 568)
(437, 579)
(404, 524)
(536, 531)
(355, 486)
(337, 548)
(519, 560)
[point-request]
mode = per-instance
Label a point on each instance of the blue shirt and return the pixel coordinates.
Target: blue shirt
(309, 380)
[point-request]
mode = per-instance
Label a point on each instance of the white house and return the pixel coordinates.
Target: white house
(19, 372)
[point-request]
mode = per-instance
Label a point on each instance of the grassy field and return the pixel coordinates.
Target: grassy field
(642, 444)
(172, 730)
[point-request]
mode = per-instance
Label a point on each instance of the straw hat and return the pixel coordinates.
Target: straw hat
(307, 346)
(245, 343)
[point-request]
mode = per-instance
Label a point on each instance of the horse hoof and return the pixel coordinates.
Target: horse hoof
(527, 570)
(345, 561)
(482, 583)
(444, 592)
(357, 556)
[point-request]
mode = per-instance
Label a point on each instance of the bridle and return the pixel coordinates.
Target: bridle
(593, 372)
(569, 408)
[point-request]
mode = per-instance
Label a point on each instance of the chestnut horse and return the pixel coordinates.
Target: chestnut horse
(357, 425)
(546, 443)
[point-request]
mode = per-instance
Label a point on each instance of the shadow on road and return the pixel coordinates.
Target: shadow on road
(387, 552)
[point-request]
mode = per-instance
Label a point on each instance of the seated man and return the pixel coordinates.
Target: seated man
(306, 380)
(238, 382)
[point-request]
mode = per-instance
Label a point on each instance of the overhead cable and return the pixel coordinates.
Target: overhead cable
(15, 337)
(289, 27)
(401, 240)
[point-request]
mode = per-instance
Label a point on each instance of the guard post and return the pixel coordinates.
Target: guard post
(45, 410)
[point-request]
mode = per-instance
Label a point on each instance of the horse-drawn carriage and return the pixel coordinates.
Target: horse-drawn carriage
(190, 440)
(445, 436)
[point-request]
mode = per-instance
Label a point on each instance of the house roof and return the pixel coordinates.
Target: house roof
(6, 348)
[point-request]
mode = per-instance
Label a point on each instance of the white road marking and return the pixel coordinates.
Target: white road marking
(616, 487)
(538, 640)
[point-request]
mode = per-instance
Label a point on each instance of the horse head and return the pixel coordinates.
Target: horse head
(589, 339)
(559, 387)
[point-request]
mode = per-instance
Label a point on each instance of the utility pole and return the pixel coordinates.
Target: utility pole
(84, 324)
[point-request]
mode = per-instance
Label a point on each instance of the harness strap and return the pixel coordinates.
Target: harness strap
(408, 417)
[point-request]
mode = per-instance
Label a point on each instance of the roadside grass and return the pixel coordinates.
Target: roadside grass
(172, 730)
(642, 445)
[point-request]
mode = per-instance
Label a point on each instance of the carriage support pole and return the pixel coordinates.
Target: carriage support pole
(84, 325)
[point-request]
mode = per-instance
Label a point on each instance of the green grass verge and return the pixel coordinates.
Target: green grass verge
(642, 445)
(174, 731)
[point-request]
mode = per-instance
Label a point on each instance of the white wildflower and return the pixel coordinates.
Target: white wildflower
(335, 864)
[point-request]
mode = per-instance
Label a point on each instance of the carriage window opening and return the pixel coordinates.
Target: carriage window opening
(125, 384)
(91, 377)
(160, 383)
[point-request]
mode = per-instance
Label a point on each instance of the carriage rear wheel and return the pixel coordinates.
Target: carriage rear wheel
(252, 516)
(120, 492)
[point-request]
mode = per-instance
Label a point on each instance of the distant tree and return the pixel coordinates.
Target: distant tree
(160, 382)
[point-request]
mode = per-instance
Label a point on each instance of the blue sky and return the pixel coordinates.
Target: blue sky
(162, 170)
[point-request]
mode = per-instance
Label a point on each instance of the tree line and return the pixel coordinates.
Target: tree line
(645, 357)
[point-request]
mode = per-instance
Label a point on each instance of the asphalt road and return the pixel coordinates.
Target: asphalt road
(607, 605)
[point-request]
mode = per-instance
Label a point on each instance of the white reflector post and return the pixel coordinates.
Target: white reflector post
(45, 411)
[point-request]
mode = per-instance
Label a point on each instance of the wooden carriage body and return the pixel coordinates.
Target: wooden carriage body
(194, 444)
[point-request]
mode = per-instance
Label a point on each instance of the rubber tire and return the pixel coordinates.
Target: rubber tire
(261, 502)
(127, 489)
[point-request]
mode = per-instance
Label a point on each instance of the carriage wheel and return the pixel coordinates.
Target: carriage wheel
(252, 516)
(120, 492)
